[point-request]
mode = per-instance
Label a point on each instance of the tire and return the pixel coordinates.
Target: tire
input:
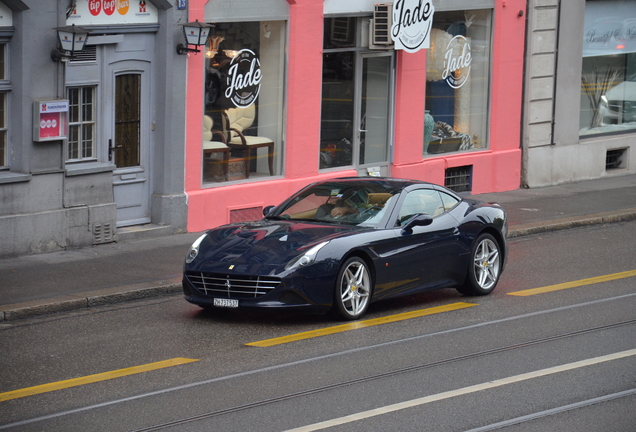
(484, 267)
(353, 289)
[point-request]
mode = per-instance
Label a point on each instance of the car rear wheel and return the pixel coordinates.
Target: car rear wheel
(484, 268)
(353, 289)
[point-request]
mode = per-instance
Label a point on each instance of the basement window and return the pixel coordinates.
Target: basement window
(615, 159)
(459, 179)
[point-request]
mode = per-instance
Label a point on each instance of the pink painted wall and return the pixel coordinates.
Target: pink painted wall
(211, 206)
(498, 168)
(495, 169)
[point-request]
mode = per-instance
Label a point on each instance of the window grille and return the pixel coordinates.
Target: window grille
(459, 179)
(614, 159)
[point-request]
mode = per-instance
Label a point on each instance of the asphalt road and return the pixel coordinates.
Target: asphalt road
(564, 359)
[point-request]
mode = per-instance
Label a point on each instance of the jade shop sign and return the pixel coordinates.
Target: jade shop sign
(412, 24)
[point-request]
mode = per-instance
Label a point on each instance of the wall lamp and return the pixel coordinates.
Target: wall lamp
(70, 40)
(196, 34)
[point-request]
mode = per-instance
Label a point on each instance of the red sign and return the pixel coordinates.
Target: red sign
(49, 125)
(109, 7)
(95, 7)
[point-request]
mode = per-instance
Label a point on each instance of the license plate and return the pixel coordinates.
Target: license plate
(227, 303)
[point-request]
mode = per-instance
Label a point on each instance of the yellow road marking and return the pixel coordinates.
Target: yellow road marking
(360, 324)
(44, 388)
(575, 284)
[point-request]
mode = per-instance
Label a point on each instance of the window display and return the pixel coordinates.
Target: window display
(457, 82)
(243, 97)
(608, 80)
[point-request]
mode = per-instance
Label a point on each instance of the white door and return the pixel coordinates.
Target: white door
(129, 138)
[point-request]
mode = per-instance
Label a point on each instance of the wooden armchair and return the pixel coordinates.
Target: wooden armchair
(210, 147)
(236, 120)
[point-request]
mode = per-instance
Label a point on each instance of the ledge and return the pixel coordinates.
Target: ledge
(11, 177)
(88, 168)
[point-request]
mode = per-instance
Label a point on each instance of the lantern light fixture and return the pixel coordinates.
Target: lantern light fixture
(196, 34)
(71, 39)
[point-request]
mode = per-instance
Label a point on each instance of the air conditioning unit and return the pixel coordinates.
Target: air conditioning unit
(380, 27)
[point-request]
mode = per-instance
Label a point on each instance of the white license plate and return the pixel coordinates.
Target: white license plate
(227, 303)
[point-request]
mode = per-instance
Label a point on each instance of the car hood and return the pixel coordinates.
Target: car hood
(263, 243)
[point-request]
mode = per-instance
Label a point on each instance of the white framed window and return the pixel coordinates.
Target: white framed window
(3, 130)
(81, 127)
(4, 85)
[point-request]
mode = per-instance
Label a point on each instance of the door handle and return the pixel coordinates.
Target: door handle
(111, 149)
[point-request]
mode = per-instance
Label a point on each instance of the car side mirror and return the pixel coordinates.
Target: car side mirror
(267, 210)
(419, 219)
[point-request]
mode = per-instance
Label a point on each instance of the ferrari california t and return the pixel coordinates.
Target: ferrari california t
(344, 243)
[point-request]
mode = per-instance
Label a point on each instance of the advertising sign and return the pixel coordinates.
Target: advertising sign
(95, 12)
(244, 79)
(50, 120)
(457, 61)
(610, 28)
(412, 24)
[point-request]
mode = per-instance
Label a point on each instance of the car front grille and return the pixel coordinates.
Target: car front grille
(214, 284)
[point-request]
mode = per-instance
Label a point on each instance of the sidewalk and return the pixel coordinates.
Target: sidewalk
(112, 273)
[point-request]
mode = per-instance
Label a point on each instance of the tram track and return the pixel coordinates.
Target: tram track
(356, 381)
(378, 376)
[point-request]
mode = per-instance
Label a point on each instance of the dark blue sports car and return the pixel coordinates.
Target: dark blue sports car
(341, 244)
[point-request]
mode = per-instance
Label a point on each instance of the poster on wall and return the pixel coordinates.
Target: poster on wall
(96, 12)
(412, 24)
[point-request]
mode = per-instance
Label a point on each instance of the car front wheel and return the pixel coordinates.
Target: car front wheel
(353, 289)
(484, 267)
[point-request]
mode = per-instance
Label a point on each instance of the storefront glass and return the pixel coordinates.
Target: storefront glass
(457, 82)
(356, 98)
(243, 97)
(608, 81)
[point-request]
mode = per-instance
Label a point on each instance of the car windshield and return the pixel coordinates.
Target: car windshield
(355, 203)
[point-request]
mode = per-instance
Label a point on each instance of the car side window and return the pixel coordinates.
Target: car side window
(421, 201)
(449, 201)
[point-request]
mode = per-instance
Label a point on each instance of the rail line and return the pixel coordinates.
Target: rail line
(380, 376)
(338, 354)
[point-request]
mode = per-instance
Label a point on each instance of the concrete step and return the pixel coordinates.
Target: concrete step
(142, 232)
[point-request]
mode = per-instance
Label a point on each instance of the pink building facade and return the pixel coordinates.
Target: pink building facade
(288, 92)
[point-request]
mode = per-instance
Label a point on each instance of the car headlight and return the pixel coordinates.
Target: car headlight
(307, 258)
(194, 249)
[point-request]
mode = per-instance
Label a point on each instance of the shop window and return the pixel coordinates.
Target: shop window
(81, 129)
(457, 82)
(608, 81)
(357, 88)
(243, 96)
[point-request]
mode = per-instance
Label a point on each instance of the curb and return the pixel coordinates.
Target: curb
(87, 300)
(522, 230)
(173, 287)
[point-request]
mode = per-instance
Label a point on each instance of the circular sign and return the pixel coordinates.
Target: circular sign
(244, 79)
(123, 6)
(94, 7)
(109, 7)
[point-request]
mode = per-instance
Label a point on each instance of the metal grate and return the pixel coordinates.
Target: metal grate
(459, 179)
(246, 214)
(102, 233)
(382, 22)
(215, 284)
(614, 159)
(88, 54)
